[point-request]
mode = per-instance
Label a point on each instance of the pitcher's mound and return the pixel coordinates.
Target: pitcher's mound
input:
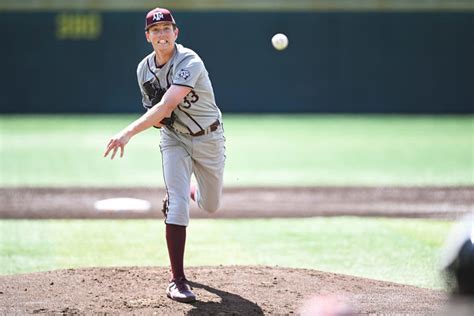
(234, 290)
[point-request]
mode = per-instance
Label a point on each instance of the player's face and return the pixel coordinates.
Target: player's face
(162, 36)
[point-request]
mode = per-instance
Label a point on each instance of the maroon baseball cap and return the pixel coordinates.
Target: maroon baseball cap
(158, 15)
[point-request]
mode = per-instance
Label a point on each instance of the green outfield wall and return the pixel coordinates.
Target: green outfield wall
(343, 56)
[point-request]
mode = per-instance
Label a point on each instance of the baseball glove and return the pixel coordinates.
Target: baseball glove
(155, 94)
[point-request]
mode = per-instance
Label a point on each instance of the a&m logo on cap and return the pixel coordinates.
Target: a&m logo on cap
(158, 16)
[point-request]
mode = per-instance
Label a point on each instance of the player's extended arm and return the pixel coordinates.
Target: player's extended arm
(168, 103)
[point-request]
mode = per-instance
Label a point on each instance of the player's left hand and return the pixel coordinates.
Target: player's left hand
(116, 142)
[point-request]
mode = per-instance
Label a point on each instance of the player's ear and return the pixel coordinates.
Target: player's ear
(147, 35)
(176, 32)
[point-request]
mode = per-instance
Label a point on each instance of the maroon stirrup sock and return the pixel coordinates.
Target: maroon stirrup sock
(176, 239)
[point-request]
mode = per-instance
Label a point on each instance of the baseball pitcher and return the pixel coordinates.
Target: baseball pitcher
(179, 98)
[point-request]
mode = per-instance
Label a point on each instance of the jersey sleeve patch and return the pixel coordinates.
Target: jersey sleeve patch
(184, 73)
(188, 71)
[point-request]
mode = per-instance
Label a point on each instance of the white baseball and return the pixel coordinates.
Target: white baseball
(280, 41)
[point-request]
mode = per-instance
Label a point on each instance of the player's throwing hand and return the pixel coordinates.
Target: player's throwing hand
(116, 142)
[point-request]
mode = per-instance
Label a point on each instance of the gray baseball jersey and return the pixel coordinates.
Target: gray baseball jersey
(198, 110)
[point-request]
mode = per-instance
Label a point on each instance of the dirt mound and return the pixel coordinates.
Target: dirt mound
(236, 290)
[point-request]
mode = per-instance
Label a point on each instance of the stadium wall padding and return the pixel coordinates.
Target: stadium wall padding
(336, 62)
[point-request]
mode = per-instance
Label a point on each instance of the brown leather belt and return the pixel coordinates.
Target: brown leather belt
(211, 128)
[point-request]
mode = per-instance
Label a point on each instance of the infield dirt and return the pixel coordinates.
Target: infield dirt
(249, 202)
(238, 290)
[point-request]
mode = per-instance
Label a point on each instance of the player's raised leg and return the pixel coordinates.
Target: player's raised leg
(208, 168)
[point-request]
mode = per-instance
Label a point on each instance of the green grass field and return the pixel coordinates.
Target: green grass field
(398, 250)
(261, 150)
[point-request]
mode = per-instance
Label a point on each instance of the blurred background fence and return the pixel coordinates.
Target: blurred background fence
(343, 57)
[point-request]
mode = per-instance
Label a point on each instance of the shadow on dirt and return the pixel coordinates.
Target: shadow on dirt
(231, 304)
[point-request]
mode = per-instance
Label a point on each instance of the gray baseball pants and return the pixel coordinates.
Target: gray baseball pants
(183, 155)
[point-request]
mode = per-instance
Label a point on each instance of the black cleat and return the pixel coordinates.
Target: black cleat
(164, 210)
